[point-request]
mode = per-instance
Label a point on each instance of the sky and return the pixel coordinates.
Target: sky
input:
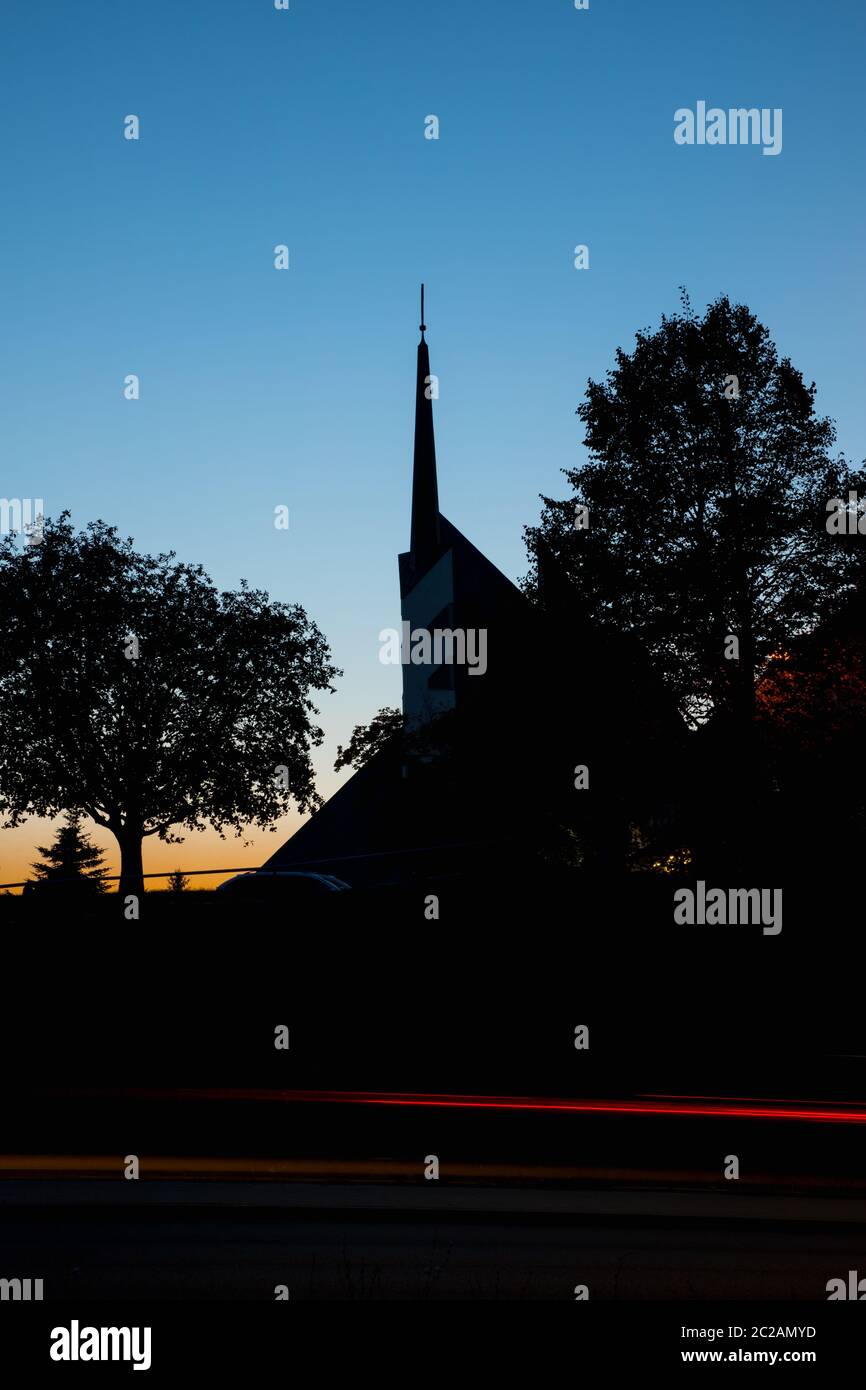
(306, 127)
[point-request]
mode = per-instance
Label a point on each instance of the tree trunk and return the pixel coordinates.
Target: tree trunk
(131, 870)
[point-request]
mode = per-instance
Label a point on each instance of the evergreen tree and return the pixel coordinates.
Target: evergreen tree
(72, 859)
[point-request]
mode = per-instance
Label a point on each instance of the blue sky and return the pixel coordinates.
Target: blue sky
(306, 127)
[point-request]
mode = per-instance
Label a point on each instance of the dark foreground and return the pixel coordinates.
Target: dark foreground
(206, 1241)
(156, 1039)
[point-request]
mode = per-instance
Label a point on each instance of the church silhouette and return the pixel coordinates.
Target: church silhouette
(485, 768)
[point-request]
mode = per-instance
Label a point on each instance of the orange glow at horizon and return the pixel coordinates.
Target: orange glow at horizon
(199, 850)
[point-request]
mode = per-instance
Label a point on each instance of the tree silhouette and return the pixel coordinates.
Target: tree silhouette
(178, 882)
(72, 860)
(133, 691)
(368, 739)
(811, 707)
(706, 488)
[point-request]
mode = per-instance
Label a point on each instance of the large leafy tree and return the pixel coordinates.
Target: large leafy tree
(133, 691)
(705, 491)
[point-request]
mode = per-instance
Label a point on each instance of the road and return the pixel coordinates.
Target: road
(216, 1240)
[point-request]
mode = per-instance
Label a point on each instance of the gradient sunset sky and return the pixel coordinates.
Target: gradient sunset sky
(306, 127)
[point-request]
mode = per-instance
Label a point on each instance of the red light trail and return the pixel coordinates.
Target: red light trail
(829, 1112)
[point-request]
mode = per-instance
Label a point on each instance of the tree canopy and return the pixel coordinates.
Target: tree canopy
(701, 512)
(133, 691)
(368, 739)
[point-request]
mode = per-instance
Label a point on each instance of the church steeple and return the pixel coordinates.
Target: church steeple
(425, 542)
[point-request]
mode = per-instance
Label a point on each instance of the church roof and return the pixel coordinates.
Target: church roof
(378, 813)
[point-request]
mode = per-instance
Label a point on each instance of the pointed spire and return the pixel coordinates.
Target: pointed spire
(425, 542)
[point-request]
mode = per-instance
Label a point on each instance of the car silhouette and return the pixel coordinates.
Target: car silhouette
(287, 887)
